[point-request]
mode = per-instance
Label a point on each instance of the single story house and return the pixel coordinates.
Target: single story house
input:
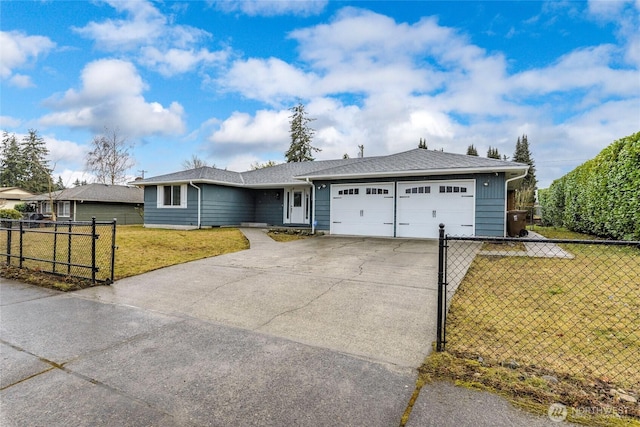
(406, 194)
(12, 196)
(102, 201)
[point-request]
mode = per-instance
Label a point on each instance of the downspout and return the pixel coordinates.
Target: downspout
(75, 209)
(199, 201)
(313, 207)
(506, 190)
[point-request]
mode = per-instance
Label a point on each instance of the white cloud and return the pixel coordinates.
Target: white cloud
(64, 153)
(7, 122)
(370, 80)
(21, 81)
(272, 7)
(17, 49)
(269, 80)
(625, 16)
(266, 129)
(587, 68)
(70, 176)
(177, 61)
(111, 95)
(151, 38)
(144, 25)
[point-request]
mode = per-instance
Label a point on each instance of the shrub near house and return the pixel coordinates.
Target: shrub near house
(601, 196)
(10, 214)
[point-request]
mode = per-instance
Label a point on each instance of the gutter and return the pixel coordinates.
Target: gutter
(506, 189)
(313, 206)
(416, 172)
(199, 200)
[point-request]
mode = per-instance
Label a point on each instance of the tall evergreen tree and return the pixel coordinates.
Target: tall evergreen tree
(493, 153)
(471, 151)
(300, 149)
(522, 154)
(37, 174)
(59, 184)
(422, 143)
(11, 162)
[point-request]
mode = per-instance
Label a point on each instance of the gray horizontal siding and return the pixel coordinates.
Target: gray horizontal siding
(269, 206)
(170, 216)
(226, 205)
(323, 205)
(490, 209)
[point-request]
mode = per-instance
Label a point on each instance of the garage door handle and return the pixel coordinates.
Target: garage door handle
(467, 196)
(388, 197)
(403, 223)
(466, 225)
(387, 223)
(404, 197)
(337, 222)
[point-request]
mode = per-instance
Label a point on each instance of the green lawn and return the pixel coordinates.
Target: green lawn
(138, 250)
(575, 319)
(144, 249)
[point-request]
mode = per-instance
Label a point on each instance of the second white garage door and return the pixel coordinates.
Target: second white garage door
(422, 206)
(362, 209)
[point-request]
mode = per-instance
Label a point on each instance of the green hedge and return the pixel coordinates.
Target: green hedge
(601, 196)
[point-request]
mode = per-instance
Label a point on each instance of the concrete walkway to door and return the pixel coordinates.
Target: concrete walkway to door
(374, 298)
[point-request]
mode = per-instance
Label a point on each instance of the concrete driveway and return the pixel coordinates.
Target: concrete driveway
(320, 332)
(373, 298)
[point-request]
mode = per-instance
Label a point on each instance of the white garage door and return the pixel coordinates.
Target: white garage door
(422, 206)
(362, 209)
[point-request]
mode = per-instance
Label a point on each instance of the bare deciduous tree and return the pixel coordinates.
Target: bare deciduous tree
(109, 158)
(195, 162)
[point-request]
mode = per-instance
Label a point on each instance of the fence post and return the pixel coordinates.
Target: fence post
(441, 294)
(69, 249)
(113, 250)
(9, 231)
(94, 237)
(55, 245)
(21, 245)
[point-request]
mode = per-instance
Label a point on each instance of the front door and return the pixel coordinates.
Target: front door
(297, 206)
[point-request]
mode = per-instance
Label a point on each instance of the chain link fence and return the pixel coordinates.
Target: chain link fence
(81, 249)
(571, 308)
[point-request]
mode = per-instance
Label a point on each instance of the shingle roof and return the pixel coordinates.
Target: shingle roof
(286, 172)
(96, 193)
(412, 162)
(204, 173)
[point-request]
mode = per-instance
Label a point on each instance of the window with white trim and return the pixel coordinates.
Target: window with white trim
(64, 209)
(172, 196)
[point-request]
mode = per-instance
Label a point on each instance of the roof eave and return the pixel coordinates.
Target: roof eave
(225, 183)
(187, 181)
(393, 174)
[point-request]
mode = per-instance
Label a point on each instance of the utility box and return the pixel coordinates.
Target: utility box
(517, 223)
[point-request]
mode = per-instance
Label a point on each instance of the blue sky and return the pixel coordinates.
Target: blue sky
(216, 79)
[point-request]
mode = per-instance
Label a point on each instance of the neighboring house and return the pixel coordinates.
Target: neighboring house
(12, 196)
(102, 201)
(401, 195)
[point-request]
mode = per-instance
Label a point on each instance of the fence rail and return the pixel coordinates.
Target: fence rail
(81, 249)
(570, 307)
